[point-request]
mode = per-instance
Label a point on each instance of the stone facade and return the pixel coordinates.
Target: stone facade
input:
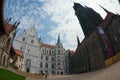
(89, 55)
(6, 40)
(47, 63)
(28, 44)
(39, 57)
(112, 30)
(18, 58)
(99, 46)
(60, 53)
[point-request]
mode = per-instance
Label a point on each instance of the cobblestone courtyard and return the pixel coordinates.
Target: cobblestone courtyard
(110, 73)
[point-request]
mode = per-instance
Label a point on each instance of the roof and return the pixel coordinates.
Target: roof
(47, 45)
(72, 52)
(18, 52)
(107, 19)
(8, 27)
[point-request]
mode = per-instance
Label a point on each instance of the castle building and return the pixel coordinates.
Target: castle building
(28, 43)
(47, 63)
(39, 57)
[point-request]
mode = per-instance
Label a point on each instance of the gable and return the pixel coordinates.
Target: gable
(29, 36)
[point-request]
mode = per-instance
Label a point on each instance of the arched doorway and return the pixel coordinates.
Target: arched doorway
(61, 73)
(28, 70)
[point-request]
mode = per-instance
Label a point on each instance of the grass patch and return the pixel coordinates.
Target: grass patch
(8, 75)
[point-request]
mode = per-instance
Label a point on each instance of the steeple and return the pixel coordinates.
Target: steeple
(88, 18)
(94, 16)
(104, 9)
(77, 7)
(58, 41)
(78, 41)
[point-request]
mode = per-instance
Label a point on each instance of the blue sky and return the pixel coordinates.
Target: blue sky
(53, 17)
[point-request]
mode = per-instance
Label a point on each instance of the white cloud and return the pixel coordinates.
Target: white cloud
(62, 13)
(68, 26)
(110, 5)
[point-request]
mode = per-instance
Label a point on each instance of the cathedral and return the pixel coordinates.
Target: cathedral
(100, 47)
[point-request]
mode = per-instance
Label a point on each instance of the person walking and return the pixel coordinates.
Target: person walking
(46, 76)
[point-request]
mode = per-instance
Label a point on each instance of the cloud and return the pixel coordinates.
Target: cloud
(28, 13)
(68, 26)
(62, 13)
(52, 17)
(110, 5)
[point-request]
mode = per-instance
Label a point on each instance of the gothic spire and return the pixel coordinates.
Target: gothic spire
(88, 18)
(78, 41)
(58, 41)
(104, 9)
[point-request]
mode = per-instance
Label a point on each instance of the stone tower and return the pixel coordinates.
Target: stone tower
(88, 18)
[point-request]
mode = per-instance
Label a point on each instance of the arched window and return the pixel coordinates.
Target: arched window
(58, 64)
(41, 64)
(52, 66)
(61, 73)
(28, 63)
(32, 41)
(46, 65)
(23, 39)
(46, 57)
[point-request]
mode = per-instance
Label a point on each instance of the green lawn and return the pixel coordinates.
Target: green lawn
(8, 75)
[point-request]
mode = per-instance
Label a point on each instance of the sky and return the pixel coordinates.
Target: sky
(53, 17)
